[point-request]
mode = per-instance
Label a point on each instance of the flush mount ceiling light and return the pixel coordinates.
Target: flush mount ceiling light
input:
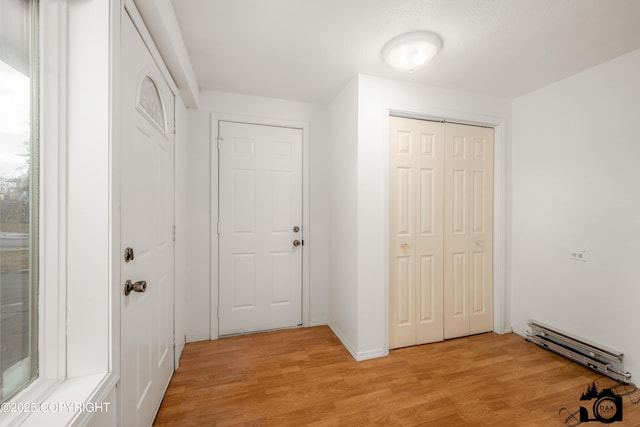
(411, 51)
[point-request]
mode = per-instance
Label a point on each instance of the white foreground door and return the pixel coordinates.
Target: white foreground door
(146, 186)
(260, 227)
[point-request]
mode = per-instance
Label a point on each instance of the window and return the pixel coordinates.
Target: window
(18, 195)
(150, 103)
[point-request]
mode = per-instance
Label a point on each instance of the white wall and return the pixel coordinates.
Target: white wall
(376, 97)
(575, 187)
(200, 258)
(342, 175)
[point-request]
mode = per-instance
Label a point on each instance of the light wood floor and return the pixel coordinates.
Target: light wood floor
(306, 377)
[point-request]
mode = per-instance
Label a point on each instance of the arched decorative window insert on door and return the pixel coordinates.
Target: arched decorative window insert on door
(150, 103)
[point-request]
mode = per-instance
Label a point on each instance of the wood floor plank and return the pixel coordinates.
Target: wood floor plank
(306, 377)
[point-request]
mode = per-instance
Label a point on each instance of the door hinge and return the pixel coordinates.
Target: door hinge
(218, 228)
(220, 141)
(218, 312)
(174, 125)
(173, 233)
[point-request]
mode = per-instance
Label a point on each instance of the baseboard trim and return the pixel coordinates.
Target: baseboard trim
(506, 330)
(318, 323)
(345, 342)
(358, 356)
(372, 354)
(197, 337)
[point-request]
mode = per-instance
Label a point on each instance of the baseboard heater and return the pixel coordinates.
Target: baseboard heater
(594, 356)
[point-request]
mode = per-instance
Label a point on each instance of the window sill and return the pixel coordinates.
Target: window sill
(72, 402)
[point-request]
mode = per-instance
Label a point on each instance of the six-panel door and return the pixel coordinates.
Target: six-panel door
(260, 209)
(440, 231)
(416, 173)
(468, 243)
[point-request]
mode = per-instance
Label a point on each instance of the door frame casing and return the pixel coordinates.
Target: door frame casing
(216, 118)
(501, 294)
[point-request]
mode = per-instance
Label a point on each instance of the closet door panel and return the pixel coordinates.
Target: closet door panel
(402, 188)
(481, 231)
(456, 231)
(415, 231)
(430, 232)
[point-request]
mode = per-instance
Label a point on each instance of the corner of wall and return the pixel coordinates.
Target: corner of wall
(351, 348)
(343, 299)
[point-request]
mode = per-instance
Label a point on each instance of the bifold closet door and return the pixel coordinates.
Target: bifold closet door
(440, 231)
(468, 233)
(416, 228)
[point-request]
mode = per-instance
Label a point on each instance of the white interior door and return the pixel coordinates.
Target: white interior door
(260, 227)
(146, 188)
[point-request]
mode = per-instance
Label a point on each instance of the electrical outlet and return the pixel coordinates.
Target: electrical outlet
(576, 255)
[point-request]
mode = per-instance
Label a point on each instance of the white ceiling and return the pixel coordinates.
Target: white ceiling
(307, 50)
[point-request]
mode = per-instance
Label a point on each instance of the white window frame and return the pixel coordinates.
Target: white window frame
(68, 370)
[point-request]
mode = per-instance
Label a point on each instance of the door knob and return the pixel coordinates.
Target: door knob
(296, 243)
(139, 286)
